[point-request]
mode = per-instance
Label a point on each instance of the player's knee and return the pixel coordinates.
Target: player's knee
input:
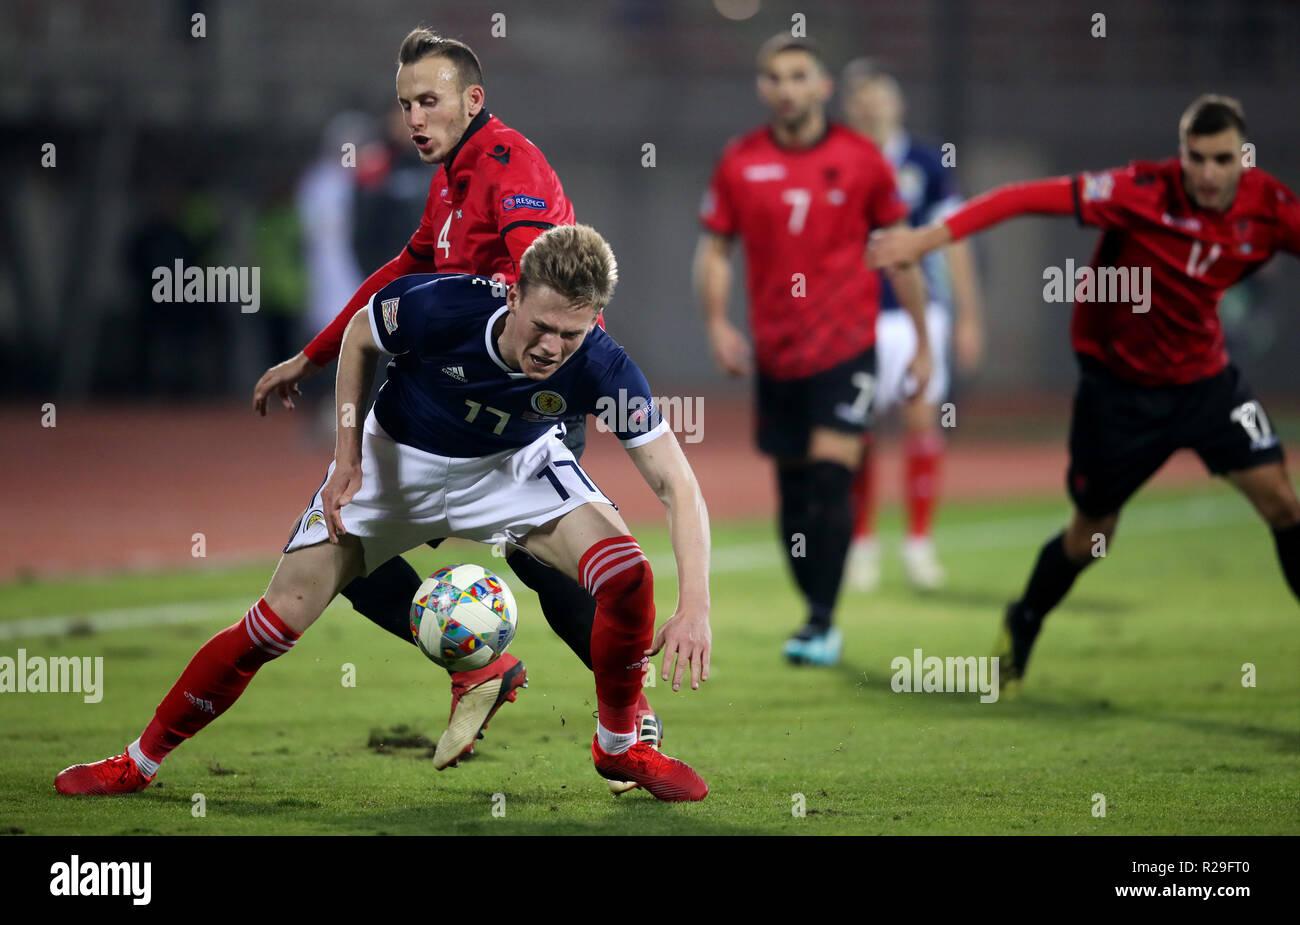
(615, 568)
(831, 446)
(295, 610)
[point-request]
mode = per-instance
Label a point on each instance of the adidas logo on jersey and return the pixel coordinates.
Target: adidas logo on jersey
(456, 372)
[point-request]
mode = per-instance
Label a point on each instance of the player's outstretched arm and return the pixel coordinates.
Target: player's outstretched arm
(903, 246)
(712, 274)
(282, 379)
(357, 362)
(686, 638)
(968, 335)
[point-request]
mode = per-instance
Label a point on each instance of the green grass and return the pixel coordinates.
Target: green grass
(1135, 693)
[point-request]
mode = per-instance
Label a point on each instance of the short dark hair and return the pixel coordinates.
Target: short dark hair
(860, 71)
(784, 41)
(1210, 114)
(421, 43)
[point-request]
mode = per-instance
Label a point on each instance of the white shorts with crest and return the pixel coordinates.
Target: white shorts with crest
(408, 497)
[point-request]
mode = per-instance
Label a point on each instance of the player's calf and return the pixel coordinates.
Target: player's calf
(1271, 492)
(617, 574)
(214, 679)
(304, 583)
(384, 596)
(1061, 560)
(566, 605)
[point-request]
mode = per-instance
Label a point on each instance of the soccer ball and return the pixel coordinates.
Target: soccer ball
(463, 617)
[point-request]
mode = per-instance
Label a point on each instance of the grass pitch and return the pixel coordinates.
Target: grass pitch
(1135, 692)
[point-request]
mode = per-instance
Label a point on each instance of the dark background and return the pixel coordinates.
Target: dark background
(147, 119)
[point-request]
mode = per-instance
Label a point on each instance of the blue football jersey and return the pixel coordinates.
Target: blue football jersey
(449, 392)
(927, 189)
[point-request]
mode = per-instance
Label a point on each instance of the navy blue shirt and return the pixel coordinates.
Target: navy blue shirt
(926, 187)
(449, 392)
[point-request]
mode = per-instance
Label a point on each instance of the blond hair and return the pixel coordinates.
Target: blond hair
(573, 260)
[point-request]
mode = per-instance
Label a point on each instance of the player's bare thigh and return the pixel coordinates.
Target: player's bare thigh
(561, 543)
(828, 445)
(1269, 489)
(307, 579)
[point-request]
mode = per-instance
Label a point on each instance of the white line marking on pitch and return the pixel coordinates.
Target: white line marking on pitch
(1146, 519)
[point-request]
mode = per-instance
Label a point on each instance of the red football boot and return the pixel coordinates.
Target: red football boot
(102, 778)
(475, 698)
(650, 730)
(666, 778)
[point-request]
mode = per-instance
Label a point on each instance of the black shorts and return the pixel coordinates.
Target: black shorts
(838, 398)
(1121, 433)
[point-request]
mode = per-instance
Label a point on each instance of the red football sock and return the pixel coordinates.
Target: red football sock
(618, 576)
(215, 677)
(921, 480)
(864, 494)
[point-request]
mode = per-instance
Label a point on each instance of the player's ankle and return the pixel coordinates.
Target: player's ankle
(143, 763)
(614, 743)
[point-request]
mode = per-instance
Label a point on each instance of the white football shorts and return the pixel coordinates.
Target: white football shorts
(895, 349)
(408, 497)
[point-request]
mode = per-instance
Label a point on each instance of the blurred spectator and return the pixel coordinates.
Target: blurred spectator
(326, 195)
(392, 185)
(179, 343)
(278, 250)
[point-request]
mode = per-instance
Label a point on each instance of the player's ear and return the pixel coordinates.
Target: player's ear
(474, 99)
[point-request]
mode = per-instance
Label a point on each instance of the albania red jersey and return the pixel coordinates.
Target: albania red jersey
(490, 201)
(1193, 254)
(804, 215)
(495, 182)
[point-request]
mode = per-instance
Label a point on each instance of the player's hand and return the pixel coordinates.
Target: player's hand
(919, 370)
(968, 344)
(685, 639)
(342, 485)
(283, 379)
(894, 247)
(730, 349)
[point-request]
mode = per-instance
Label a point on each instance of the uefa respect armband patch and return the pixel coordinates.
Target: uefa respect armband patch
(509, 203)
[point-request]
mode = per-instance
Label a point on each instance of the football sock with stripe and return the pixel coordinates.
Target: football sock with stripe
(1054, 573)
(1288, 551)
(384, 596)
(922, 454)
(214, 679)
(567, 606)
(617, 574)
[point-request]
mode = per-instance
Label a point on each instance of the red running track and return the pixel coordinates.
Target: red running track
(127, 487)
